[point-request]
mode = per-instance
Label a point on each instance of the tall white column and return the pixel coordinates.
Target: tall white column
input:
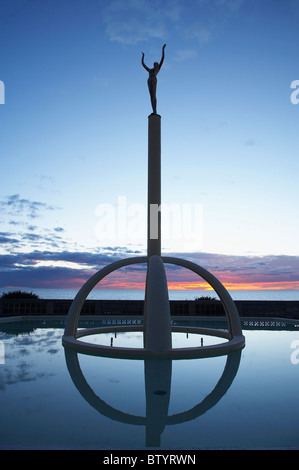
(157, 325)
(154, 186)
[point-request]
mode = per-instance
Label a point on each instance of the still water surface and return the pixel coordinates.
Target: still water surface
(49, 399)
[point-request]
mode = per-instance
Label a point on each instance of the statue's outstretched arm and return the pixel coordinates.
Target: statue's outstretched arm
(142, 61)
(162, 59)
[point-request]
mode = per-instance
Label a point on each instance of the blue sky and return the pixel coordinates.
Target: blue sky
(73, 134)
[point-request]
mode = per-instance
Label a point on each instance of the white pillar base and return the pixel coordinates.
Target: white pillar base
(157, 322)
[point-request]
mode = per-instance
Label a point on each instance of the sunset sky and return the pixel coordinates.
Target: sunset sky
(73, 139)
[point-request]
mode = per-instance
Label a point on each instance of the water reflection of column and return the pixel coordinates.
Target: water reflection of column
(157, 375)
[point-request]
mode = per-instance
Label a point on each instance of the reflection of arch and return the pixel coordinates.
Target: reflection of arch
(140, 353)
(152, 370)
(88, 394)
(234, 337)
(222, 386)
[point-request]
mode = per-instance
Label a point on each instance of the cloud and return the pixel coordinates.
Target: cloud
(195, 21)
(251, 142)
(32, 227)
(63, 269)
(46, 269)
(32, 237)
(18, 214)
(83, 259)
(185, 54)
(242, 271)
(203, 20)
(202, 33)
(224, 6)
(134, 21)
(15, 205)
(5, 237)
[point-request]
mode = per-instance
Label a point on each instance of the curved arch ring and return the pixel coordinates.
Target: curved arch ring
(234, 338)
(227, 377)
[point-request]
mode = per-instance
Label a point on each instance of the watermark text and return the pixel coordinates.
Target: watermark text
(295, 353)
(123, 222)
(2, 92)
(295, 94)
(151, 459)
(2, 353)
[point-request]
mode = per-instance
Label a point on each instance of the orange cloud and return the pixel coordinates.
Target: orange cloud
(235, 272)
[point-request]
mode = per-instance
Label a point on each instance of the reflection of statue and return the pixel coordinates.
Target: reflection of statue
(152, 79)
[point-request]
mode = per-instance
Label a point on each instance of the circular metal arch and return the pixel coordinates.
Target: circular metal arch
(234, 338)
(77, 304)
(228, 303)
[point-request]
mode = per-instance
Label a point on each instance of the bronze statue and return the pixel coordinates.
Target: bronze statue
(152, 79)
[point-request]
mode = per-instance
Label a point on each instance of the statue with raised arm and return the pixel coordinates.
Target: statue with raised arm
(152, 79)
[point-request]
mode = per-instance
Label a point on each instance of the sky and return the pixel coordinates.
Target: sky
(73, 140)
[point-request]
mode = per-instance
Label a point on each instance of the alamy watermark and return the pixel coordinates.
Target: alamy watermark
(2, 92)
(295, 353)
(295, 94)
(123, 222)
(2, 353)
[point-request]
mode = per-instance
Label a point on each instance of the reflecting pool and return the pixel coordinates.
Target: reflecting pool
(55, 398)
